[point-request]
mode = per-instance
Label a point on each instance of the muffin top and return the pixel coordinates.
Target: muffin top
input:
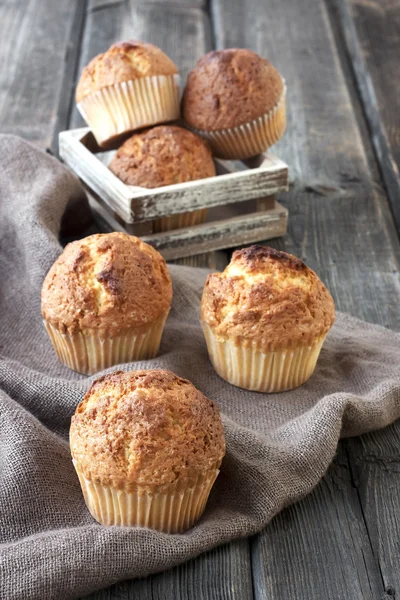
(123, 61)
(148, 428)
(162, 156)
(267, 299)
(228, 88)
(108, 282)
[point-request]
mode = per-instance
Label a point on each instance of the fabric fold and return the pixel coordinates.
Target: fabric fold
(278, 445)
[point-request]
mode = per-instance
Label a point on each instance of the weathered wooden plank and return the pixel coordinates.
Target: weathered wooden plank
(185, 244)
(374, 458)
(67, 94)
(371, 34)
(95, 5)
(317, 548)
(95, 175)
(375, 464)
(109, 221)
(225, 233)
(37, 53)
(223, 574)
(340, 224)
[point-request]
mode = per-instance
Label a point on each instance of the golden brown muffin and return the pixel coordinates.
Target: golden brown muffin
(107, 297)
(229, 89)
(266, 306)
(161, 156)
(131, 86)
(267, 297)
(123, 61)
(152, 439)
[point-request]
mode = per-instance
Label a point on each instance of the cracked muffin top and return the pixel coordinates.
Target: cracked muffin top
(123, 61)
(106, 282)
(267, 299)
(146, 428)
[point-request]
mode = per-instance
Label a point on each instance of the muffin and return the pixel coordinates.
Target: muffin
(162, 156)
(265, 319)
(130, 86)
(236, 100)
(147, 447)
(105, 301)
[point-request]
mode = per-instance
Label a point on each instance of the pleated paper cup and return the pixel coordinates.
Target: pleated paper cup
(89, 352)
(118, 109)
(254, 370)
(172, 512)
(249, 139)
(187, 219)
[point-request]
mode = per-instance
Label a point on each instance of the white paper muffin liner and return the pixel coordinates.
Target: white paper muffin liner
(251, 138)
(171, 512)
(262, 372)
(130, 105)
(89, 352)
(186, 219)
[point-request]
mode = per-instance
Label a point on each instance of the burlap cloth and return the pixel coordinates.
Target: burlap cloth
(278, 446)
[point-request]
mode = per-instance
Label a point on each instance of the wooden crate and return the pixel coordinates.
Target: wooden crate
(240, 200)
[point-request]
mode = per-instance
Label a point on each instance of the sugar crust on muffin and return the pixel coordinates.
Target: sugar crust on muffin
(147, 429)
(106, 282)
(268, 299)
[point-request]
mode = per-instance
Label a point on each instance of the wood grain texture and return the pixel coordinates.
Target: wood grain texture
(318, 548)
(94, 173)
(222, 574)
(191, 246)
(37, 63)
(371, 35)
(375, 468)
(227, 233)
(105, 4)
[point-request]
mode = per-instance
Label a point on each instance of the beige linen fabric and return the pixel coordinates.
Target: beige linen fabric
(278, 445)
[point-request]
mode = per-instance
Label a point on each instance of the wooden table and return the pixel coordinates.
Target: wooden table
(341, 62)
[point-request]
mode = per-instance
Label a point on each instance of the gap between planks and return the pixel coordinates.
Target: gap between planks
(67, 95)
(388, 167)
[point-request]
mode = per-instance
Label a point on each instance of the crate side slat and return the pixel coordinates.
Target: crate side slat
(206, 193)
(95, 175)
(85, 136)
(211, 236)
(221, 234)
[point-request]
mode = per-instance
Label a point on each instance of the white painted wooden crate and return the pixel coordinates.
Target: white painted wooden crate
(240, 200)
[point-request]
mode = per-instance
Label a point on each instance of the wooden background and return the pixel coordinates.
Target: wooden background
(341, 62)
